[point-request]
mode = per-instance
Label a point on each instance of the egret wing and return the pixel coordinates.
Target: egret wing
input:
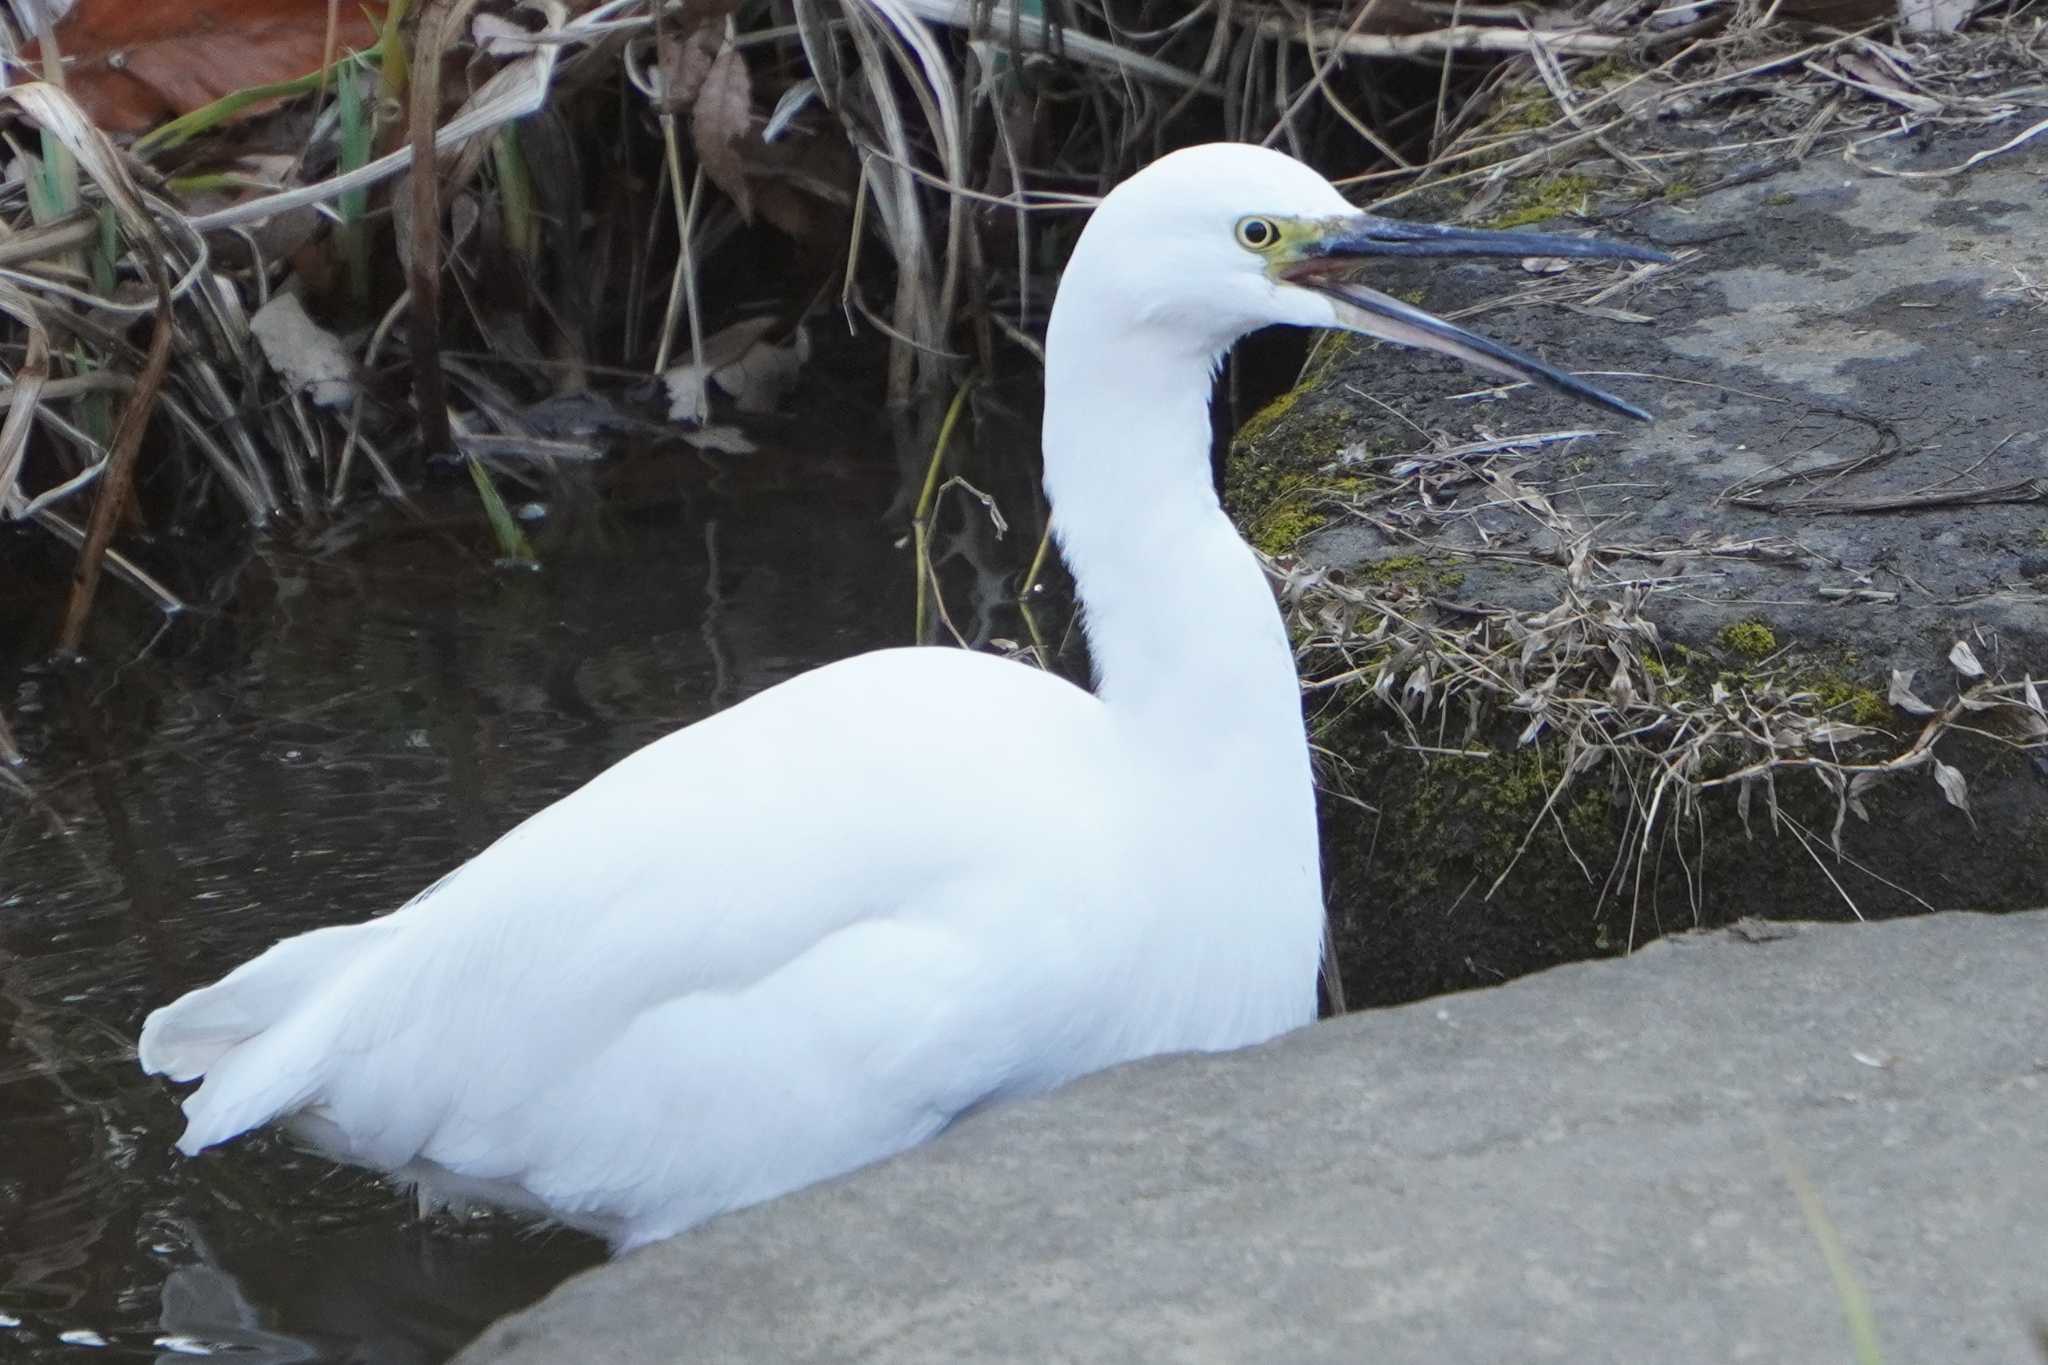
(733, 898)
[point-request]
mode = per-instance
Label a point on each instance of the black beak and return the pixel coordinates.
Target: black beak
(1326, 263)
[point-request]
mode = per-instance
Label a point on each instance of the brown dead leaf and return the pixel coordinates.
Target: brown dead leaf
(1416, 689)
(805, 186)
(742, 362)
(1901, 694)
(686, 47)
(685, 53)
(1873, 77)
(721, 122)
(1952, 785)
(312, 359)
(132, 65)
(1620, 688)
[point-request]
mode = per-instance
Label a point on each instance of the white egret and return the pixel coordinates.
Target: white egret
(812, 930)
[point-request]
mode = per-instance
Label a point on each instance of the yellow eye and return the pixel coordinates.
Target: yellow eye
(1256, 234)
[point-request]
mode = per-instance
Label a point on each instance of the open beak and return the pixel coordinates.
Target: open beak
(1327, 258)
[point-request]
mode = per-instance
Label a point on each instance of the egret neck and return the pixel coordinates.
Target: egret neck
(1189, 650)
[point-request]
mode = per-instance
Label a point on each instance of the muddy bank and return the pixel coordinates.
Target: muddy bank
(1845, 483)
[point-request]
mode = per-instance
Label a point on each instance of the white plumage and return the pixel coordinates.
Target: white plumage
(814, 929)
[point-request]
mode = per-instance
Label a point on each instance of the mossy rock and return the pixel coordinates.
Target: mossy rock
(1543, 198)
(1749, 639)
(1282, 464)
(1410, 881)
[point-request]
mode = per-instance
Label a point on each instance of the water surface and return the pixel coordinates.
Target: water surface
(349, 726)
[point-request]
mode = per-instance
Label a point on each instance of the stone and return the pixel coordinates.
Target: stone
(1622, 1161)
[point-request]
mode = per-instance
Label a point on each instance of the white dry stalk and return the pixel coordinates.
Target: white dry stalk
(1035, 34)
(1456, 38)
(25, 395)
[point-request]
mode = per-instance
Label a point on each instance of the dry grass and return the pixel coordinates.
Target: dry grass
(599, 176)
(1663, 726)
(254, 322)
(1737, 94)
(1726, 100)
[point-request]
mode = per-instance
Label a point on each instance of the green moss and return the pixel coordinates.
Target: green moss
(1415, 874)
(1678, 191)
(1276, 508)
(1330, 350)
(1841, 695)
(1527, 111)
(1671, 682)
(1835, 679)
(1273, 480)
(1543, 199)
(1261, 423)
(1281, 527)
(1423, 573)
(1778, 201)
(1603, 73)
(1450, 819)
(1751, 639)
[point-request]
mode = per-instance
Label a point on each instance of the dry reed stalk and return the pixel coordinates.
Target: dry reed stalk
(119, 481)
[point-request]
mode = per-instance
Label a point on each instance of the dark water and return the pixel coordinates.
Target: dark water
(351, 725)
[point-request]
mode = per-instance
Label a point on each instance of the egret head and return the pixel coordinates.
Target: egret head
(1212, 242)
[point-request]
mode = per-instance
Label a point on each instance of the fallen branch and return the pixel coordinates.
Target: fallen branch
(1456, 38)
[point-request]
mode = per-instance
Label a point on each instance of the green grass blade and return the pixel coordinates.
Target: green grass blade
(512, 542)
(357, 135)
(206, 117)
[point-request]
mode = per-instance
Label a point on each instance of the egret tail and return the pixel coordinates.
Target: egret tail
(241, 1034)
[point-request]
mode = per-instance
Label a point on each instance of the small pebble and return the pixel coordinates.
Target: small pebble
(81, 1336)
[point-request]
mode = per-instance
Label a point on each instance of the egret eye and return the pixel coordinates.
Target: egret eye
(1256, 234)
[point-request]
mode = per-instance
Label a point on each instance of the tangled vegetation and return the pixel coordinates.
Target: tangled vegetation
(251, 312)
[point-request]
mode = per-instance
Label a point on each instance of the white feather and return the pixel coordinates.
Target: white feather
(814, 929)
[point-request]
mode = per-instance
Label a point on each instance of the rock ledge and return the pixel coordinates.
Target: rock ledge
(1592, 1164)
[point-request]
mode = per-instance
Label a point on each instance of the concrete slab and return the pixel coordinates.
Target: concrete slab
(1595, 1164)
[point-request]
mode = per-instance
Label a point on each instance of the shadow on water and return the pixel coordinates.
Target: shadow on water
(351, 725)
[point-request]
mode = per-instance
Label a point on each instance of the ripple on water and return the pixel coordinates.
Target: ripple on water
(313, 756)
